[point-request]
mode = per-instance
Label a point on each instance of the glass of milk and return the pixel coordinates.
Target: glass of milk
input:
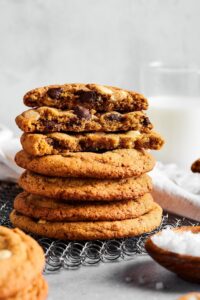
(174, 109)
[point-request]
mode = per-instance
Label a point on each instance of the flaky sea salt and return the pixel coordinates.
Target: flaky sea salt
(184, 242)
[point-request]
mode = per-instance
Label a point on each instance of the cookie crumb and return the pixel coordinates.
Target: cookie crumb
(42, 222)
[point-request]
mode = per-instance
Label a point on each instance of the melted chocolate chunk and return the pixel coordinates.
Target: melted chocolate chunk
(53, 142)
(82, 112)
(146, 122)
(31, 101)
(87, 96)
(115, 117)
(51, 125)
(73, 122)
(54, 93)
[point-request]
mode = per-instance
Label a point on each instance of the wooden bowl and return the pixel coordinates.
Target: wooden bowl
(185, 266)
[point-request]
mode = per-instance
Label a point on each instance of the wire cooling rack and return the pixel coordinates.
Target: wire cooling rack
(71, 255)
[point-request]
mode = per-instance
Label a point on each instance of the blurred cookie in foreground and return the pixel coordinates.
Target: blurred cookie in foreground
(21, 264)
(196, 166)
(190, 296)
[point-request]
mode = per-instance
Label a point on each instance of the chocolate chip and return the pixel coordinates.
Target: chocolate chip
(17, 213)
(146, 122)
(115, 117)
(52, 125)
(30, 101)
(74, 122)
(53, 142)
(87, 96)
(49, 125)
(54, 93)
(82, 112)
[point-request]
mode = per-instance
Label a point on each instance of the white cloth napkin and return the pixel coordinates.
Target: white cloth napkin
(9, 145)
(175, 190)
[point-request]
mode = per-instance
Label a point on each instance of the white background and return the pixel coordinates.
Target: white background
(56, 41)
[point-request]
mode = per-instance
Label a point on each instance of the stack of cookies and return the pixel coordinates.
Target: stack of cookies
(86, 163)
(21, 264)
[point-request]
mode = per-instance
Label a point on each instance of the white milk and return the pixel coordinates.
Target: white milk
(177, 119)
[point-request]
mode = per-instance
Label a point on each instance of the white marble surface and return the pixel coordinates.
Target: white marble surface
(103, 41)
(135, 280)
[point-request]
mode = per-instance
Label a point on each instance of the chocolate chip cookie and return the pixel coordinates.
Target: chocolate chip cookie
(49, 209)
(114, 164)
(85, 189)
(90, 230)
(80, 119)
(60, 143)
(21, 262)
(91, 96)
(196, 166)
